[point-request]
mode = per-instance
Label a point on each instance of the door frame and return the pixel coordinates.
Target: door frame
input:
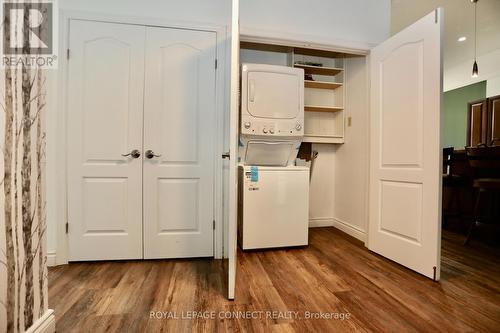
(57, 167)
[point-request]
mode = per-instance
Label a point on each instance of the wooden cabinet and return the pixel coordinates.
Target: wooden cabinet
(494, 121)
(477, 125)
(483, 124)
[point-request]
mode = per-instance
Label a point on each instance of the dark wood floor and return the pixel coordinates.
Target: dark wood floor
(335, 274)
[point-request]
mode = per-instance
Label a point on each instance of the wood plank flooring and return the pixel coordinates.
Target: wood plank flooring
(335, 275)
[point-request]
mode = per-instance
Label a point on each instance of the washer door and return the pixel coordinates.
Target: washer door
(269, 153)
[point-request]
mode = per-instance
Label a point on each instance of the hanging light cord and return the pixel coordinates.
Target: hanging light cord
(475, 30)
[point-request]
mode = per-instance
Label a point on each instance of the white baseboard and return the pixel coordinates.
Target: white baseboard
(44, 324)
(350, 229)
(51, 259)
(317, 222)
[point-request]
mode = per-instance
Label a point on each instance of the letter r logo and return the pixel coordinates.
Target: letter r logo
(30, 28)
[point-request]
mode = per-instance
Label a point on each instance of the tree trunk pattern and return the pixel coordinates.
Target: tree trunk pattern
(7, 181)
(26, 180)
(42, 264)
(40, 209)
(22, 198)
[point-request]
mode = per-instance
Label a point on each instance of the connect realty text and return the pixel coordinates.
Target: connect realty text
(247, 315)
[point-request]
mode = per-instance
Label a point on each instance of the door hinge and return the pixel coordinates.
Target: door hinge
(213, 225)
(215, 63)
(434, 276)
(435, 16)
(67, 54)
(67, 227)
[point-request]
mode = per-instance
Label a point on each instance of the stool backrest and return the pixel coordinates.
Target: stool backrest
(484, 161)
(448, 161)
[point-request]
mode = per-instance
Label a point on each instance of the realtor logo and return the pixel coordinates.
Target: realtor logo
(28, 34)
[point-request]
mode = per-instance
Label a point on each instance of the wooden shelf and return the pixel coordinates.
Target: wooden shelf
(315, 108)
(323, 139)
(319, 70)
(321, 84)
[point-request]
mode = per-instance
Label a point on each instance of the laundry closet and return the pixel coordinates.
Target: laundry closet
(335, 125)
(372, 131)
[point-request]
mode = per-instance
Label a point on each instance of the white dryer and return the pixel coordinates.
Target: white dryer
(272, 114)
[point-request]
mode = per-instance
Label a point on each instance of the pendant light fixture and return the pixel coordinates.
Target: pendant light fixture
(475, 70)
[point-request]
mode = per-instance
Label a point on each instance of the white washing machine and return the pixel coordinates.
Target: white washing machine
(273, 207)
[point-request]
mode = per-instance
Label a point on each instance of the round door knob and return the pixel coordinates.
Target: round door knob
(264, 131)
(271, 131)
(247, 125)
(150, 154)
(134, 154)
(298, 127)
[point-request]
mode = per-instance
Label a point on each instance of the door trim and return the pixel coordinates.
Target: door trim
(57, 168)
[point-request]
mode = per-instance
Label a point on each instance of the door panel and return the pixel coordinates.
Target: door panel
(494, 121)
(402, 127)
(477, 126)
(179, 77)
(179, 123)
(105, 83)
(405, 170)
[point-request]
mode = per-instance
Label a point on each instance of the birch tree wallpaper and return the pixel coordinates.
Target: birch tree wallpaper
(23, 273)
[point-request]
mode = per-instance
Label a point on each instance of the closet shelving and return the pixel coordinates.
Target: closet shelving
(316, 108)
(323, 96)
(324, 89)
(320, 70)
(322, 84)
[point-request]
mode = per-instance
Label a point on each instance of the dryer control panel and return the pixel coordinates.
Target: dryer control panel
(272, 128)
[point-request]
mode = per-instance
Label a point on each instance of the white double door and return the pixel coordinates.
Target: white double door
(133, 87)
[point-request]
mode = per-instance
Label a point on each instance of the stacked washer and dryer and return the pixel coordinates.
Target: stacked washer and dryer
(273, 197)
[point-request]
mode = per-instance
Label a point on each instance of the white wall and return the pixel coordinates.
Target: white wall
(352, 158)
(322, 187)
(214, 13)
(319, 21)
(493, 86)
(460, 75)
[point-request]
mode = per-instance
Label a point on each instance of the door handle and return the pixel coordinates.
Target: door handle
(134, 154)
(226, 155)
(150, 154)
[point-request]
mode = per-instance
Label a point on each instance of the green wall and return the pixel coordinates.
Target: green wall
(455, 113)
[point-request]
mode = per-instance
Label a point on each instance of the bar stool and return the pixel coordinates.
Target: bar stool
(485, 163)
(453, 183)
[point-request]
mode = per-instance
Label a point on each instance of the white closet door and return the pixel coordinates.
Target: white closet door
(179, 127)
(232, 201)
(405, 172)
(105, 101)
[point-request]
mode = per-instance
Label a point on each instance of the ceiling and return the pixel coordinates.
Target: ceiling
(459, 21)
